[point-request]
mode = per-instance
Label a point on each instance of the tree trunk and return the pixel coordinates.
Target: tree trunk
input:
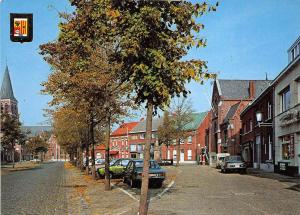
(87, 154)
(93, 147)
(156, 151)
(178, 152)
(107, 176)
(144, 202)
(13, 155)
(167, 151)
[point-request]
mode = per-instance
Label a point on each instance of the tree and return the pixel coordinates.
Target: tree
(93, 81)
(166, 131)
(153, 37)
(38, 145)
(181, 116)
(11, 133)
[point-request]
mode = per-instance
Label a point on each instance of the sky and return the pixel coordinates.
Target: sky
(245, 40)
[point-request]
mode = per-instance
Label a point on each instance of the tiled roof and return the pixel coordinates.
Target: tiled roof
(197, 119)
(141, 127)
(6, 87)
(35, 130)
(124, 128)
(231, 112)
(239, 89)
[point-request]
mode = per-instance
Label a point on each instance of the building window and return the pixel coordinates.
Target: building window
(285, 99)
(133, 148)
(225, 136)
(142, 136)
(286, 147)
(189, 139)
(181, 140)
(269, 110)
(250, 125)
(244, 128)
(298, 86)
(153, 136)
(270, 147)
(174, 155)
(189, 153)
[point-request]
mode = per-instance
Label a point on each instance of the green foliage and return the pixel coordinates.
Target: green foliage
(153, 37)
(37, 144)
(11, 131)
(166, 131)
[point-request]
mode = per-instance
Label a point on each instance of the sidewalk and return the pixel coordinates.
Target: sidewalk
(87, 196)
(294, 182)
(19, 166)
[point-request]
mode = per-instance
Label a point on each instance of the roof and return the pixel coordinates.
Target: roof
(124, 128)
(6, 87)
(35, 130)
(197, 119)
(141, 126)
(239, 89)
(231, 112)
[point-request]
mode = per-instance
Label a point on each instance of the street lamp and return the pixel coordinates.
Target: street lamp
(259, 119)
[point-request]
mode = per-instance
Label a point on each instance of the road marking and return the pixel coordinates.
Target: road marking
(126, 192)
(164, 191)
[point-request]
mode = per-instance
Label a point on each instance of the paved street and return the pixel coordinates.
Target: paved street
(37, 191)
(203, 190)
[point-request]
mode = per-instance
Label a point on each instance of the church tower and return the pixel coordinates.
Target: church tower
(9, 103)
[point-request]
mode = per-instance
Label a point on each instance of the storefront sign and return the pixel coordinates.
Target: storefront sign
(292, 146)
(282, 166)
(289, 118)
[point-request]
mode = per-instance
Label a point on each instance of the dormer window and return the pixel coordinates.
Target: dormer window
(294, 51)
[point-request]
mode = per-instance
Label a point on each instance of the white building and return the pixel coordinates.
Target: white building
(287, 115)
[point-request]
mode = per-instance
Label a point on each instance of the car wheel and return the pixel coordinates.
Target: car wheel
(158, 184)
(124, 180)
(132, 183)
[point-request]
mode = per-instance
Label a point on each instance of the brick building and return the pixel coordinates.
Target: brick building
(119, 144)
(229, 97)
(137, 138)
(192, 147)
(257, 138)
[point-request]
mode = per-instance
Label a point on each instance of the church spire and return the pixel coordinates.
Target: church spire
(6, 87)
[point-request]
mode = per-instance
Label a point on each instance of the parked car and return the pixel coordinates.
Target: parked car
(116, 168)
(234, 163)
(220, 159)
(134, 170)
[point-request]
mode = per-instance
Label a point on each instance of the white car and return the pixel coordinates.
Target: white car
(220, 159)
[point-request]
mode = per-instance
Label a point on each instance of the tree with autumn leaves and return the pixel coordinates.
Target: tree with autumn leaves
(108, 49)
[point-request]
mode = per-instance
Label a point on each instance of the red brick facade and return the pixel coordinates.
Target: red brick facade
(257, 141)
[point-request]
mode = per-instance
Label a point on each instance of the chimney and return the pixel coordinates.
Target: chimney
(251, 90)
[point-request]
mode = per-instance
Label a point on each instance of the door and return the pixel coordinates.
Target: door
(182, 155)
(258, 151)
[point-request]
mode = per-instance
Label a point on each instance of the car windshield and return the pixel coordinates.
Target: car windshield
(221, 158)
(152, 165)
(233, 158)
(112, 162)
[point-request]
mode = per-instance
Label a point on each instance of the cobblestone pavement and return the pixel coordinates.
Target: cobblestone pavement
(201, 190)
(34, 192)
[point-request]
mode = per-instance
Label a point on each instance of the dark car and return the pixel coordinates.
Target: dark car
(116, 168)
(134, 170)
(233, 163)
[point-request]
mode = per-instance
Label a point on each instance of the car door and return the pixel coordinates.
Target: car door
(128, 170)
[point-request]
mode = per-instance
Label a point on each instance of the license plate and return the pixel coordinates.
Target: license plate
(232, 165)
(153, 175)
